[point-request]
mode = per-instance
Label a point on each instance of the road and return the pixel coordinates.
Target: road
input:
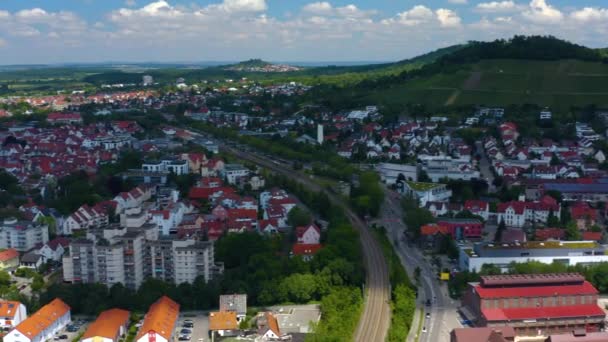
(443, 310)
(375, 319)
(484, 166)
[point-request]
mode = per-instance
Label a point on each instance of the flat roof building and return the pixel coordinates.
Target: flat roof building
(109, 326)
(502, 255)
(535, 304)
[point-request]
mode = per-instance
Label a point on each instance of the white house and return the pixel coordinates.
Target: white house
(160, 321)
(268, 328)
(11, 314)
(42, 325)
(308, 235)
(232, 172)
(109, 326)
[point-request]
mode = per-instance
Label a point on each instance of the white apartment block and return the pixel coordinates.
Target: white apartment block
(128, 256)
(22, 235)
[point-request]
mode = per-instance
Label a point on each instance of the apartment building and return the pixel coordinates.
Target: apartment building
(232, 172)
(22, 235)
(128, 256)
(181, 261)
(176, 166)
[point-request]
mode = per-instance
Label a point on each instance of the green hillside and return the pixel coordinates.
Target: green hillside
(537, 70)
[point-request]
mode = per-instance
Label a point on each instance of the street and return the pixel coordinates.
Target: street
(485, 167)
(443, 310)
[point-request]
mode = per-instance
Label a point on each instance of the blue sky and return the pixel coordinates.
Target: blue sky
(54, 31)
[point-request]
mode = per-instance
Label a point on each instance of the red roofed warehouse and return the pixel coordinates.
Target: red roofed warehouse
(539, 304)
(109, 326)
(160, 321)
(43, 324)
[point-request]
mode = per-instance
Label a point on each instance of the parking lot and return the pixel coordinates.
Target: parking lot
(200, 331)
(71, 331)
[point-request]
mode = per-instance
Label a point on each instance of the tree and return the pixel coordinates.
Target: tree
(500, 230)
(416, 218)
(298, 217)
(423, 177)
(37, 283)
(552, 220)
(572, 232)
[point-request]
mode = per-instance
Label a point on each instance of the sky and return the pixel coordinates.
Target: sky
(86, 31)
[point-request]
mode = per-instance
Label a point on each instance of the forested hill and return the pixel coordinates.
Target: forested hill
(522, 47)
(541, 70)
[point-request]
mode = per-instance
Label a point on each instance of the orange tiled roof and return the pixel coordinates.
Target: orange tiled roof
(225, 320)
(43, 318)
(9, 254)
(161, 318)
(8, 308)
(273, 323)
(108, 324)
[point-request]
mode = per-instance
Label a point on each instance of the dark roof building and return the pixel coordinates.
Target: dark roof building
(538, 304)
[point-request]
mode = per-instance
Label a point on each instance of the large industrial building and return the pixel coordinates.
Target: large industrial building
(567, 252)
(534, 305)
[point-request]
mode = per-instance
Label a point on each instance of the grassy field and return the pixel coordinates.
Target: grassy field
(557, 84)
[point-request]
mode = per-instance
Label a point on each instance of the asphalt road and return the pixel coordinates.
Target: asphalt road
(375, 319)
(484, 166)
(443, 310)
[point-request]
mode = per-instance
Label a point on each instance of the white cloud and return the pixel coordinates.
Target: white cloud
(322, 7)
(34, 13)
(541, 12)
(496, 6)
(447, 18)
(241, 6)
(417, 15)
(458, 2)
(590, 14)
(130, 3)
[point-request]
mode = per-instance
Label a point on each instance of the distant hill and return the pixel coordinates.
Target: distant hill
(523, 70)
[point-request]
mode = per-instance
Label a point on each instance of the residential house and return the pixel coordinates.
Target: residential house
(584, 215)
(308, 235)
(43, 324)
(236, 303)
(9, 259)
(12, 313)
(31, 260)
(479, 208)
(223, 322)
(160, 321)
(268, 328)
(110, 326)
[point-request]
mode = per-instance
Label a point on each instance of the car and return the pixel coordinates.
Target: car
(188, 321)
(184, 338)
(201, 340)
(188, 325)
(428, 302)
(423, 329)
(428, 315)
(185, 331)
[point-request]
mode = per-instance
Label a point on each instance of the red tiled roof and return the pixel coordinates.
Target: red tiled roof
(432, 229)
(303, 249)
(474, 206)
(513, 314)
(592, 236)
(550, 233)
(536, 291)
(9, 254)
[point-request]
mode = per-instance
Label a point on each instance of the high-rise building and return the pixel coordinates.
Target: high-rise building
(130, 255)
(147, 80)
